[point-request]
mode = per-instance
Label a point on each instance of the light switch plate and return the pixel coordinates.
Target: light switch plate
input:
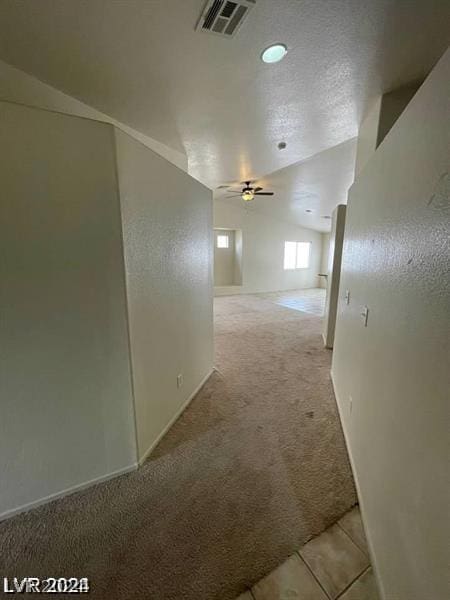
(179, 380)
(347, 296)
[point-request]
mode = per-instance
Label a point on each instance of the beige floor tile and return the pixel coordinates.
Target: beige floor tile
(245, 596)
(364, 588)
(291, 581)
(334, 559)
(353, 525)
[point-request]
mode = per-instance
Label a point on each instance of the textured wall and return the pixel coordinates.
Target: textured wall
(324, 258)
(367, 136)
(392, 105)
(167, 225)
(224, 259)
(395, 370)
(379, 119)
(263, 250)
(336, 242)
(65, 387)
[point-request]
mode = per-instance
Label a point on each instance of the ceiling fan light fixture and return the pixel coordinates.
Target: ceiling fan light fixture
(274, 53)
(247, 195)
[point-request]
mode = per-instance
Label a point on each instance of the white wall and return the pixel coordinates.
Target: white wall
(392, 105)
(65, 385)
(17, 86)
(237, 257)
(334, 274)
(378, 121)
(396, 369)
(263, 250)
(324, 259)
(167, 225)
(224, 259)
(367, 136)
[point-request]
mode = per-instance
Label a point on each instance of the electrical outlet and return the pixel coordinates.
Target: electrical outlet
(179, 380)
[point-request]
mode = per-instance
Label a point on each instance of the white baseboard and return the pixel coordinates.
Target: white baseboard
(75, 488)
(361, 501)
(176, 416)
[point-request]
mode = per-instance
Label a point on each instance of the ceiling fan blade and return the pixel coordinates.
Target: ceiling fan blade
(235, 191)
(257, 189)
(264, 193)
(234, 196)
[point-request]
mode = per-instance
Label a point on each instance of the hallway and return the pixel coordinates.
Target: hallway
(254, 467)
(178, 178)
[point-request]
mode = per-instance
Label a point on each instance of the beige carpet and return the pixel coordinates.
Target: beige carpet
(252, 469)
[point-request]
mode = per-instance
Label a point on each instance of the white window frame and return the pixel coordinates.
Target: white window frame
(290, 265)
(223, 236)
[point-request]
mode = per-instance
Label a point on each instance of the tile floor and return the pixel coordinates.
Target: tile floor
(333, 565)
(310, 301)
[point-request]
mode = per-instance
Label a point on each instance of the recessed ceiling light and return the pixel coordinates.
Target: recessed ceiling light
(274, 53)
(308, 210)
(326, 217)
(281, 145)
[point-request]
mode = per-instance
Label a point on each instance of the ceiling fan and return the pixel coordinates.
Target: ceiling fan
(248, 192)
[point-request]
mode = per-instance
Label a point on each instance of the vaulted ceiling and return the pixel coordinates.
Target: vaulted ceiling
(307, 192)
(143, 62)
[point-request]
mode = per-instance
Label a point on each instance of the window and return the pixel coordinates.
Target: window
(296, 255)
(222, 241)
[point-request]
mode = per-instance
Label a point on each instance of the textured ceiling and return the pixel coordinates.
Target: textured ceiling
(142, 62)
(317, 184)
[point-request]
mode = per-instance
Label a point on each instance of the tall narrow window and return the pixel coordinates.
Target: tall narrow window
(296, 255)
(222, 241)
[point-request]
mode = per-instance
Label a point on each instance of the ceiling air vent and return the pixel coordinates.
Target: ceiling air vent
(223, 17)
